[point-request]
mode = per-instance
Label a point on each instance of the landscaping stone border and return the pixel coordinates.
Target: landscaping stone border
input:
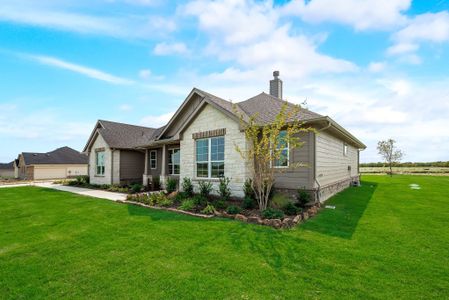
(285, 223)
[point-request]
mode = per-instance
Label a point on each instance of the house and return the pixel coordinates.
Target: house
(199, 142)
(7, 170)
(61, 163)
(113, 154)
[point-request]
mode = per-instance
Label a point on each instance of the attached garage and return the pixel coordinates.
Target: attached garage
(49, 172)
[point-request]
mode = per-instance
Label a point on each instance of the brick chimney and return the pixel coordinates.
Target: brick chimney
(276, 86)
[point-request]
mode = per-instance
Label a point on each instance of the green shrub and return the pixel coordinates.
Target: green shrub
(248, 189)
(166, 202)
(290, 209)
(199, 200)
(181, 196)
(248, 203)
(187, 205)
(187, 186)
(233, 210)
(303, 197)
(208, 210)
(220, 204)
(136, 188)
(156, 183)
(205, 188)
(279, 200)
(72, 183)
(223, 188)
(157, 198)
(105, 186)
(171, 185)
(272, 213)
(82, 180)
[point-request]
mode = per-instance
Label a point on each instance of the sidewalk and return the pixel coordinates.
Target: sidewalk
(85, 192)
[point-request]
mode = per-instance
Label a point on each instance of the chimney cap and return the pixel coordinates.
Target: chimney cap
(276, 74)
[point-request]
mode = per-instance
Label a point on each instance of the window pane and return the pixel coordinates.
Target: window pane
(201, 170)
(217, 169)
(217, 148)
(202, 150)
(282, 143)
(283, 160)
(176, 170)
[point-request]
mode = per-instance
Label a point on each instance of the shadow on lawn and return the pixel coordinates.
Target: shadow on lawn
(349, 208)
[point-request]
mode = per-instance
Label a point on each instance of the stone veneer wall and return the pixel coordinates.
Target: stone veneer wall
(236, 168)
(106, 179)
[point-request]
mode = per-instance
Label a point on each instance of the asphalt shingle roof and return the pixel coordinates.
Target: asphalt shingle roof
(126, 136)
(7, 166)
(64, 155)
(266, 107)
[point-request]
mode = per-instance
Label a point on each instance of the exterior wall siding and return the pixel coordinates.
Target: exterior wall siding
(6, 172)
(235, 167)
(300, 177)
(132, 166)
(96, 179)
(334, 170)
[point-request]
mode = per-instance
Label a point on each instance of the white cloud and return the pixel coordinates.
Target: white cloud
(89, 72)
(145, 74)
(428, 27)
(362, 15)
(252, 35)
(376, 66)
(61, 16)
(170, 48)
(125, 107)
(156, 121)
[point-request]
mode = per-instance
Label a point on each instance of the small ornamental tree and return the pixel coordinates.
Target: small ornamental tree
(389, 152)
(267, 146)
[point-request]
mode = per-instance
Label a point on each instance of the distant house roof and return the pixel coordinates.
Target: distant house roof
(64, 155)
(7, 166)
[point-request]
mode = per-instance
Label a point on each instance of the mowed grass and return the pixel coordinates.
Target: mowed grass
(383, 240)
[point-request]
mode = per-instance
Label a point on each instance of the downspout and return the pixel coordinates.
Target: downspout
(112, 166)
(317, 195)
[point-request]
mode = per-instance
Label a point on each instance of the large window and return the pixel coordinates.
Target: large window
(173, 161)
(210, 157)
(99, 162)
(282, 145)
(153, 159)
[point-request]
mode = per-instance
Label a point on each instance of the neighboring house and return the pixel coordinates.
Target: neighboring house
(7, 170)
(113, 157)
(61, 163)
(200, 141)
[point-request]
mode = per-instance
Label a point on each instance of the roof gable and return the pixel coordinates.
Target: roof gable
(190, 107)
(121, 135)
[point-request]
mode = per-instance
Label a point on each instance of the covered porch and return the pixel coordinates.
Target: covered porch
(162, 161)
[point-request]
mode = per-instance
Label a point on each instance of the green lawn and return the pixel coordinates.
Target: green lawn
(383, 240)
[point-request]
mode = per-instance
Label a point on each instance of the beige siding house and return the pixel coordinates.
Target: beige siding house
(61, 163)
(199, 142)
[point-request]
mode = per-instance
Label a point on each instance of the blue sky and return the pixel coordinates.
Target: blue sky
(378, 67)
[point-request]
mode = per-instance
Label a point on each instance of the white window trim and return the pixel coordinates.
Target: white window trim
(97, 165)
(170, 173)
(209, 159)
(345, 149)
(288, 158)
(155, 159)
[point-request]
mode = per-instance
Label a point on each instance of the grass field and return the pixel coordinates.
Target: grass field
(384, 240)
(406, 170)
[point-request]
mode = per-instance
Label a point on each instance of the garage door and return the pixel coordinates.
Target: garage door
(49, 173)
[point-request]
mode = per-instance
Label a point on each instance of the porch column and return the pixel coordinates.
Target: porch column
(163, 177)
(145, 173)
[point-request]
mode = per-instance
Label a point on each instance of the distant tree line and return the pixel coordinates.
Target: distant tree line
(408, 164)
